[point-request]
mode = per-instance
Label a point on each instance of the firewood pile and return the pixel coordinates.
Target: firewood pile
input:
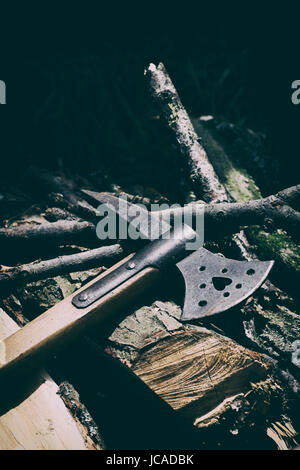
(149, 380)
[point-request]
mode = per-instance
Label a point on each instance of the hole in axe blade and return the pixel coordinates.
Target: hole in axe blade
(250, 272)
(221, 282)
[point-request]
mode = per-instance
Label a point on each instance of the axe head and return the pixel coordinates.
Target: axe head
(214, 283)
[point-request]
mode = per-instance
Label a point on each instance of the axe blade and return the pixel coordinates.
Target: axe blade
(151, 226)
(214, 283)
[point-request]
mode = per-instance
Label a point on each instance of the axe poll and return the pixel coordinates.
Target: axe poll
(213, 284)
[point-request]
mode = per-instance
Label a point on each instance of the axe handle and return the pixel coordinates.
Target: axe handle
(30, 345)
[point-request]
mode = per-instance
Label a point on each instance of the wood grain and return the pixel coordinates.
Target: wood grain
(26, 348)
(41, 421)
(213, 383)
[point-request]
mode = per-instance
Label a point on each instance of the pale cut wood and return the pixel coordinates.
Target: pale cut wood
(40, 422)
(27, 347)
(206, 377)
(192, 368)
(283, 434)
(211, 368)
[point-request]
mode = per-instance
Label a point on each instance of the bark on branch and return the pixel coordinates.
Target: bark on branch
(12, 277)
(59, 189)
(202, 174)
(56, 233)
(273, 211)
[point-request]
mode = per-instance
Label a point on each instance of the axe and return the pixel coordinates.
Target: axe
(213, 284)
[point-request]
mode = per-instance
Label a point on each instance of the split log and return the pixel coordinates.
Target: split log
(174, 359)
(270, 318)
(211, 381)
(215, 384)
(39, 420)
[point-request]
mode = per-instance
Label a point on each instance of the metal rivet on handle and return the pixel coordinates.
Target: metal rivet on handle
(130, 265)
(82, 297)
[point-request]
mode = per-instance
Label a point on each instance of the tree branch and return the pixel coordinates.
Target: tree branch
(56, 233)
(13, 277)
(221, 216)
(59, 190)
(202, 174)
(230, 217)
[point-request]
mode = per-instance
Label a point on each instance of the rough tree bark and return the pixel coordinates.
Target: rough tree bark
(274, 211)
(14, 277)
(202, 174)
(40, 420)
(200, 373)
(56, 233)
(230, 379)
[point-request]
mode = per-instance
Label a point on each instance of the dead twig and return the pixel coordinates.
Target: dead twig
(56, 233)
(202, 174)
(13, 277)
(59, 190)
(229, 217)
(221, 216)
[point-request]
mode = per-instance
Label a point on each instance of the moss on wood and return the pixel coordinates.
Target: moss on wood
(241, 186)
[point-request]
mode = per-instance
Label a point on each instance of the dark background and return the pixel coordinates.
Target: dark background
(77, 98)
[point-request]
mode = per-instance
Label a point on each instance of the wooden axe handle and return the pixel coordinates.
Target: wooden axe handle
(29, 346)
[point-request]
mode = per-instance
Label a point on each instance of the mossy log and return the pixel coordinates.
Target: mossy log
(271, 317)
